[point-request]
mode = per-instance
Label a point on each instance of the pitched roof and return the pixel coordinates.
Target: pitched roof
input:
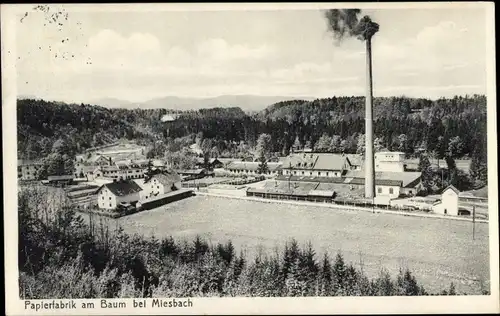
(316, 161)
(109, 168)
(122, 188)
(331, 162)
(407, 179)
(96, 158)
(167, 178)
(355, 159)
(452, 187)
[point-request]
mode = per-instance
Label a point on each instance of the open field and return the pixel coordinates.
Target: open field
(437, 251)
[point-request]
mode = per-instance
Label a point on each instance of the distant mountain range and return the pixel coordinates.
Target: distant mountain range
(248, 103)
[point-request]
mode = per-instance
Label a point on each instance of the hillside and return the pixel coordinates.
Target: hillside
(248, 103)
(41, 123)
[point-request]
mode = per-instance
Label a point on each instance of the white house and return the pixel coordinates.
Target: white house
(391, 161)
(316, 165)
(110, 195)
(161, 183)
(449, 202)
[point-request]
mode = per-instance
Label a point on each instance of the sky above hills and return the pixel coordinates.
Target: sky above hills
(142, 55)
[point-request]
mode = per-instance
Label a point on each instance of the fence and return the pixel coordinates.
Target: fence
(318, 199)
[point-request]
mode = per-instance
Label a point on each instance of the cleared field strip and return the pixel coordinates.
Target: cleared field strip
(342, 207)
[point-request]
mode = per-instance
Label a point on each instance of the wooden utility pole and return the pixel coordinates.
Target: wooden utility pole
(473, 222)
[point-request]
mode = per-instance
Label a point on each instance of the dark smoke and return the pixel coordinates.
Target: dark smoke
(345, 23)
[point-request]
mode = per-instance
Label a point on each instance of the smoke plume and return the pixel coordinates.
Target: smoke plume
(345, 23)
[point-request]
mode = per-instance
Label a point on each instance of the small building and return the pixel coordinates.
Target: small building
(449, 202)
(111, 195)
(28, 169)
(99, 160)
(391, 161)
(60, 180)
(161, 183)
(191, 174)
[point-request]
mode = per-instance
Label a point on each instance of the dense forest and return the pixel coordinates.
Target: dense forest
(445, 127)
(62, 256)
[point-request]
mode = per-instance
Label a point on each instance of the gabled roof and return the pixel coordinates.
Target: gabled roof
(109, 168)
(167, 178)
(316, 161)
(331, 162)
(122, 188)
(407, 179)
(451, 187)
(97, 158)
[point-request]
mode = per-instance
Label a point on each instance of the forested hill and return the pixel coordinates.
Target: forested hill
(41, 123)
(455, 126)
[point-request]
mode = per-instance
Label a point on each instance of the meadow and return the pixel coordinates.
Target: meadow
(437, 251)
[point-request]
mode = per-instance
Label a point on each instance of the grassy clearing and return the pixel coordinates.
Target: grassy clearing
(437, 251)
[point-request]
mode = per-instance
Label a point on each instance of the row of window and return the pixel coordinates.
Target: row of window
(318, 173)
(250, 171)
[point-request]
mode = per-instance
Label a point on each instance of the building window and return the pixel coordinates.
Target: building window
(302, 172)
(103, 197)
(310, 173)
(110, 198)
(319, 174)
(391, 190)
(411, 192)
(379, 190)
(327, 173)
(109, 204)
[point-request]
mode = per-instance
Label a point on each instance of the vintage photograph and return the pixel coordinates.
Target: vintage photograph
(316, 152)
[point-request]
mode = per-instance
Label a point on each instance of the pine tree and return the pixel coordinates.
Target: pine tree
(479, 167)
(262, 168)
(424, 166)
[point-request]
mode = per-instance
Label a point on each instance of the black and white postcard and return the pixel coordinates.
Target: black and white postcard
(249, 158)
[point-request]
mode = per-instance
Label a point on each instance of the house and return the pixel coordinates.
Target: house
(161, 183)
(356, 161)
(316, 165)
(252, 168)
(99, 160)
(449, 202)
(123, 192)
(27, 169)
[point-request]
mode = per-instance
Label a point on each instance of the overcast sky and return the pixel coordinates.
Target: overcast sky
(137, 56)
